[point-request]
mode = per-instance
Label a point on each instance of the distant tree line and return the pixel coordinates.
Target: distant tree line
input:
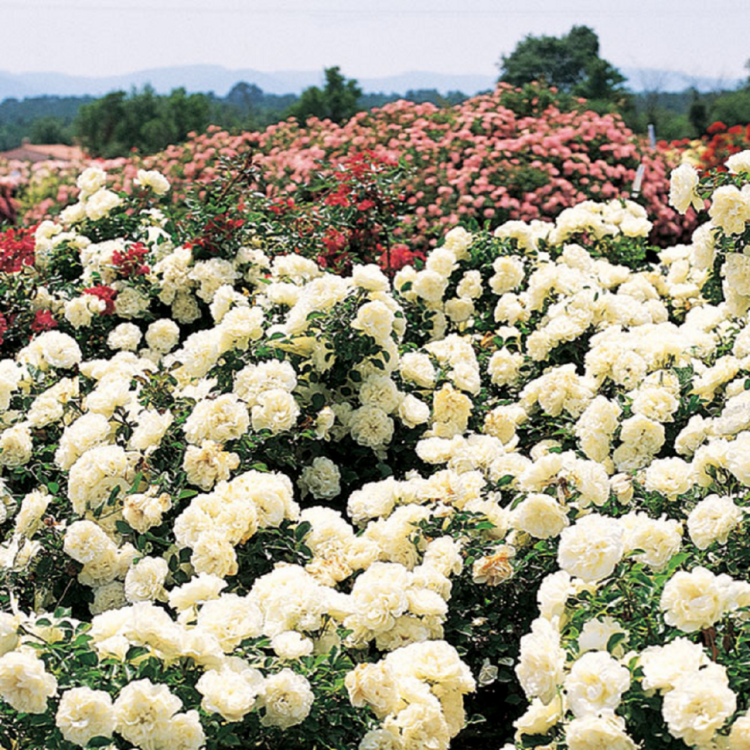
(115, 124)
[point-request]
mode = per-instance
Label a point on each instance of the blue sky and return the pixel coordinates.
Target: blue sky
(366, 37)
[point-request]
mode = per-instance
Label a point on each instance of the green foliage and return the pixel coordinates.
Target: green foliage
(41, 119)
(338, 100)
(118, 122)
(571, 63)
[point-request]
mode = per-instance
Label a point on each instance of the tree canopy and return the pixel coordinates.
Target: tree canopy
(571, 63)
(118, 122)
(338, 100)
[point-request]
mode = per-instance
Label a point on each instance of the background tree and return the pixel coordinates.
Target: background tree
(338, 100)
(117, 123)
(571, 63)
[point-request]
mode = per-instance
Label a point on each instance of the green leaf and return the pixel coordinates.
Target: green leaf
(99, 742)
(615, 640)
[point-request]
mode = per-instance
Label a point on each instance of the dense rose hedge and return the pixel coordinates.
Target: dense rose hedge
(249, 501)
(509, 154)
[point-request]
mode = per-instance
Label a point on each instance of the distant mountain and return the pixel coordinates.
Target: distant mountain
(220, 80)
(669, 81)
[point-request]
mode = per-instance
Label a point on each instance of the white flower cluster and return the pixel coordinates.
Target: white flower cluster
(563, 403)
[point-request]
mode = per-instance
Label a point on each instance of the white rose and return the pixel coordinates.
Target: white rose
(24, 683)
(595, 682)
(126, 336)
(695, 600)
(730, 209)
(101, 203)
(231, 692)
(91, 180)
(698, 705)
(291, 645)
(712, 520)
(591, 548)
(163, 335)
(683, 193)
(145, 581)
(541, 661)
(287, 699)
(322, 479)
(596, 732)
(154, 180)
(413, 412)
(84, 714)
(539, 515)
(276, 410)
(663, 665)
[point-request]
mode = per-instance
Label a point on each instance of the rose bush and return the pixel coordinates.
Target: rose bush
(248, 500)
(520, 154)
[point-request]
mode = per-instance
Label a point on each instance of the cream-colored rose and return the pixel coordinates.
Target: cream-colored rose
(84, 714)
(24, 682)
(698, 705)
(683, 193)
(276, 410)
(539, 515)
(208, 464)
(322, 479)
(91, 180)
(739, 737)
(145, 580)
(15, 446)
(291, 645)
(712, 520)
(375, 319)
(371, 427)
(163, 335)
(595, 683)
(730, 209)
(413, 412)
(233, 691)
(695, 600)
(101, 203)
(143, 711)
(126, 336)
(596, 732)
(144, 510)
(541, 661)
(373, 685)
(418, 369)
(154, 180)
(591, 548)
(221, 419)
(663, 665)
(86, 541)
(231, 619)
(287, 699)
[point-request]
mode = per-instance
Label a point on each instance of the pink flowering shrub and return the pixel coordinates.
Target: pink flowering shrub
(487, 159)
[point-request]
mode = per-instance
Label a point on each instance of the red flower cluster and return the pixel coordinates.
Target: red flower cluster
(16, 249)
(724, 142)
(130, 263)
(105, 293)
(216, 233)
(43, 321)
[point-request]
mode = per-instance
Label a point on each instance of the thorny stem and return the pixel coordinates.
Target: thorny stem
(709, 637)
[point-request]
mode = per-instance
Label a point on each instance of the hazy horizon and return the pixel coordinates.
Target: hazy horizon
(374, 39)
